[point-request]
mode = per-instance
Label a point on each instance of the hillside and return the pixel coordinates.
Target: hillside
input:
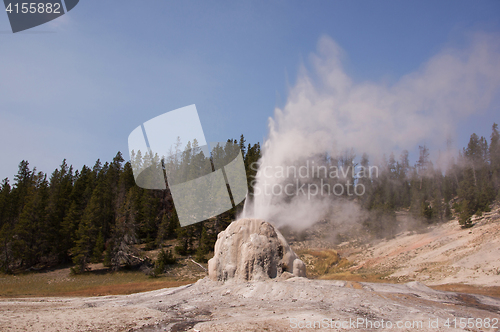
(438, 254)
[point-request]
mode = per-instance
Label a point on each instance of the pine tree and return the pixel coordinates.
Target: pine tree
(121, 245)
(6, 226)
(450, 182)
(23, 182)
(164, 259)
(185, 239)
(168, 226)
(251, 160)
(495, 159)
(203, 247)
(61, 185)
(31, 234)
(403, 169)
(148, 217)
(474, 156)
(475, 190)
(113, 195)
(81, 192)
(5, 207)
(467, 194)
(242, 146)
(94, 217)
(437, 197)
(423, 163)
(364, 180)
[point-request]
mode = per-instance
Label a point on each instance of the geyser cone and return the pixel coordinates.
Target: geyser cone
(250, 250)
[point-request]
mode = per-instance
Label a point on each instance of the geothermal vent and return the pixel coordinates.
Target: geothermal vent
(252, 249)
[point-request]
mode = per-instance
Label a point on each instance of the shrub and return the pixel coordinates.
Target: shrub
(164, 259)
(180, 250)
(200, 255)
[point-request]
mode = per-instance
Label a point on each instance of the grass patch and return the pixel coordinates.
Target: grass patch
(322, 262)
(325, 260)
(61, 283)
(493, 291)
(361, 277)
(326, 264)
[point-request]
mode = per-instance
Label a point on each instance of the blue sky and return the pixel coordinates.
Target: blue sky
(76, 87)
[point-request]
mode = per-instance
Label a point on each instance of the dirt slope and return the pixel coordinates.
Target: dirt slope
(444, 254)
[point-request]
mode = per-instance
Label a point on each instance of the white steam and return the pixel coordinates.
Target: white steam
(332, 113)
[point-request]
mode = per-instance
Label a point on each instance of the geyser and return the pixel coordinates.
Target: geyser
(329, 117)
(251, 250)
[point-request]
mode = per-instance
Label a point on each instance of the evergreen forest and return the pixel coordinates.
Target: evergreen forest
(98, 214)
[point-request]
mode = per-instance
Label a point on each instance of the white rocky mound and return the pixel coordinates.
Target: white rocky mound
(253, 250)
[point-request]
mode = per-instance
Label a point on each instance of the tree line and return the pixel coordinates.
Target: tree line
(468, 185)
(96, 214)
(99, 214)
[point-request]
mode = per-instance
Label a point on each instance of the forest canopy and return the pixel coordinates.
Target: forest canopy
(99, 214)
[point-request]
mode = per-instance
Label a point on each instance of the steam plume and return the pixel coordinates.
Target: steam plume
(332, 113)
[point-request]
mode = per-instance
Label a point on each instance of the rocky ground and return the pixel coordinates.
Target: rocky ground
(441, 255)
(272, 305)
(435, 255)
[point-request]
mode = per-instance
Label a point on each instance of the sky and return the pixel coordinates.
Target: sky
(76, 87)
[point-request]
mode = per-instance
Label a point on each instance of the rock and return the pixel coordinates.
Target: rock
(251, 250)
(286, 275)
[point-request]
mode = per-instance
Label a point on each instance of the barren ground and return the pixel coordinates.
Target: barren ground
(438, 255)
(444, 254)
(275, 305)
(444, 257)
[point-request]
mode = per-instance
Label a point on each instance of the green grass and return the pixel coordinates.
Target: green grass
(61, 283)
(321, 262)
(328, 265)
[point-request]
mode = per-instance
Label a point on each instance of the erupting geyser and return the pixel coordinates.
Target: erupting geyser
(251, 250)
(331, 119)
